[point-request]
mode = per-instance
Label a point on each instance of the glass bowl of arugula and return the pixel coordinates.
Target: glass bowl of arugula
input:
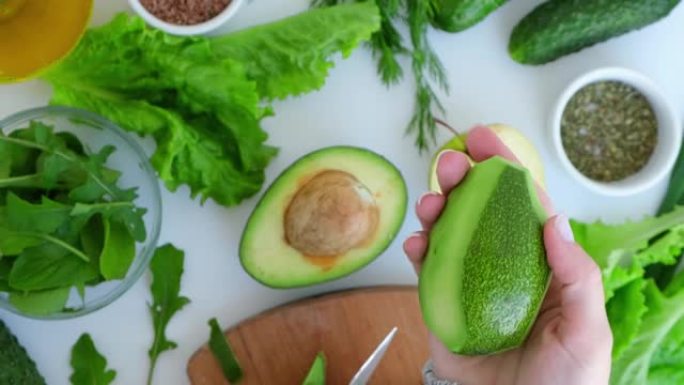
(80, 212)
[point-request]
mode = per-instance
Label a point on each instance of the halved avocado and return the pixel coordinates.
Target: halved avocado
(329, 214)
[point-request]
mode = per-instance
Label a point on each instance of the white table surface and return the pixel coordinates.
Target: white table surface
(353, 108)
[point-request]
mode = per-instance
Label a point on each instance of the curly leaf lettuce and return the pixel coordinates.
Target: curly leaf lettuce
(663, 313)
(625, 313)
(623, 251)
(647, 322)
(292, 56)
(199, 98)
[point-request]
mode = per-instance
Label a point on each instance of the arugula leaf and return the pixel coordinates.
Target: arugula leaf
(59, 166)
(49, 266)
(663, 313)
(118, 251)
(200, 98)
(46, 217)
(99, 183)
(13, 243)
(124, 212)
(92, 238)
(316, 375)
(53, 199)
(167, 268)
(89, 366)
(221, 350)
(40, 302)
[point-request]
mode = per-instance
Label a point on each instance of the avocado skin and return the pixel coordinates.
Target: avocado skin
(506, 262)
(561, 27)
(16, 367)
(459, 15)
(485, 274)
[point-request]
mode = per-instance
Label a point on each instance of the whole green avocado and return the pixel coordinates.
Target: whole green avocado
(485, 273)
(560, 27)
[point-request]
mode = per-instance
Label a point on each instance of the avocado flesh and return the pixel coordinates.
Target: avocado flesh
(485, 273)
(269, 256)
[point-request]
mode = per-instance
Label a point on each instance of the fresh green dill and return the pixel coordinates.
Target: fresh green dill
(388, 47)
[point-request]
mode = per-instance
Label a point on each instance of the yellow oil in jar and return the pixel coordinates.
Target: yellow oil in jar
(37, 33)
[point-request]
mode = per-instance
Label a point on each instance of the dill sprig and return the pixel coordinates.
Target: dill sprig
(387, 47)
(426, 67)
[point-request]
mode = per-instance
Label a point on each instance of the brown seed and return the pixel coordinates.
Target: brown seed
(185, 12)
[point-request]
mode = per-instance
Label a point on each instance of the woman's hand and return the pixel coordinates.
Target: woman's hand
(571, 341)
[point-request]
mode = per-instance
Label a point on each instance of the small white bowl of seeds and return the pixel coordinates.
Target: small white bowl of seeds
(186, 17)
(615, 132)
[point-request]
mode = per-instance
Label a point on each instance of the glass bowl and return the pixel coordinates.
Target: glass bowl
(95, 132)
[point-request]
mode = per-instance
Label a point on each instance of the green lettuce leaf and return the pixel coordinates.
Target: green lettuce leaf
(292, 56)
(201, 98)
(663, 313)
(625, 313)
(623, 251)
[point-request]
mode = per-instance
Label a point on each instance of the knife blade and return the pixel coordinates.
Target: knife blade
(366, 371)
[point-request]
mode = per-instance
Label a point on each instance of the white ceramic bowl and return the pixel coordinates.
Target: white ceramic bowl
(187, 30)
(669, 132)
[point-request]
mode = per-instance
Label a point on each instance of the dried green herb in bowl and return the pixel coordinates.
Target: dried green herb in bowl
(615, 131)
(609, 130)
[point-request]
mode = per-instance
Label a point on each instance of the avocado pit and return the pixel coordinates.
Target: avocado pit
(330, 214)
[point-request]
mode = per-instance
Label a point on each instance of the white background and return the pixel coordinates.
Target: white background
(353, 108)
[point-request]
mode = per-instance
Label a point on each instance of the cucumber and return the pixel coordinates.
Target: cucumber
(560, 27)
(16, 367)
(457, 15)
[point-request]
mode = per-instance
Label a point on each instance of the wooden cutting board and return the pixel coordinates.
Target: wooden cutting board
(279, 346)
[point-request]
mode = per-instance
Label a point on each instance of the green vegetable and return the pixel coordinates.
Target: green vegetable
(560, 27)
(118, 251)
(54, 198)
(459, 15)
(673, 196)
(40, 302)
(90, 367)
(625, 311)
(675, 190)
(387, 46)
(16, 367)
(647, 321)
(200, 98)
(663, 313)
(299, 217)
(485, 272)
(316, 375)
(623, 251)
(218, 344)
(167, 269)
